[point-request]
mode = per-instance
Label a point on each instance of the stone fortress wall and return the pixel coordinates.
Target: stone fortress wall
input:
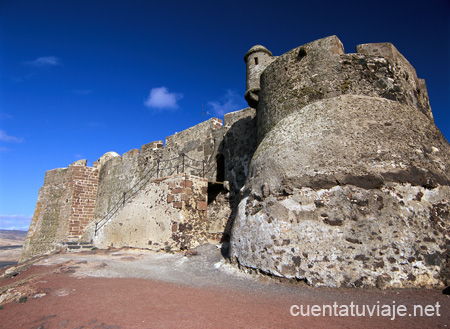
(169, 212)
(335, 175)
(165, 195)
(350, 181)
(64, 208)
(321, 70)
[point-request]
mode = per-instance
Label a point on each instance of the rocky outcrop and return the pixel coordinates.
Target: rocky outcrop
(350, 183)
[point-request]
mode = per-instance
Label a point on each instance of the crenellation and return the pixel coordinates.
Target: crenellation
(131, 154)
(79, 163)
(324, 71)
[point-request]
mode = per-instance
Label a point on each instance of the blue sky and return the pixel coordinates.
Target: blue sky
(80, 78)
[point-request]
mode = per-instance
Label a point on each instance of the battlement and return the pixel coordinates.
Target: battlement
(321, 69)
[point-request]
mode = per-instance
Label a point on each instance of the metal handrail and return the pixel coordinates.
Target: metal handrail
(143, 182)
(147, 177)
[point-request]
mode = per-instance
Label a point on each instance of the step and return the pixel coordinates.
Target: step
(70, 243)
(75, 246)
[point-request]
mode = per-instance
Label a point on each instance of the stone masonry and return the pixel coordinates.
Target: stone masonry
(74, 201)
(169, 212)
(84, 183)
(335, 175)
(64, 208)
(350, 182)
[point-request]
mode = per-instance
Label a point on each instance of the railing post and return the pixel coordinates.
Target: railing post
(178, 166)
(157, 170)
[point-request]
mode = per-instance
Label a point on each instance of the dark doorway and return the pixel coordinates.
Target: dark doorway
(220, 176)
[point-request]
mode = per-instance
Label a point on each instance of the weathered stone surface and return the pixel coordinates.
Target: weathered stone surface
(81, 163)
(120, 180)
(200, 144)
(348, 236)
(350, 183)
(64, 208)
(163, 214)
(105, 158)
(239, 144)
(349, 139)
(321, 70)
(256, 59)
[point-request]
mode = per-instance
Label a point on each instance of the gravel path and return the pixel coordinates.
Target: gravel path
(142, 289)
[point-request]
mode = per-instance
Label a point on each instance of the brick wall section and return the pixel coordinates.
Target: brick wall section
(216, 123)
(64, 208)
(84, 185)
(188, 194)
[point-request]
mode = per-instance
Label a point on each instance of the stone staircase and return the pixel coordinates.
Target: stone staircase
(78, 246)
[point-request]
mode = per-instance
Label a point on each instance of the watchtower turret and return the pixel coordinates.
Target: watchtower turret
(257, 59)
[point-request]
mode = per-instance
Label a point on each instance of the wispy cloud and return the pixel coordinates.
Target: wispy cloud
(23, 78)
(82, 91)
(161, 99)
(229, 102)
(45, 61)
(6, 116)
(15, 222)
(4, 137)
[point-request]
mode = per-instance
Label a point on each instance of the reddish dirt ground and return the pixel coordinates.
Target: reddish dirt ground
(70, 301)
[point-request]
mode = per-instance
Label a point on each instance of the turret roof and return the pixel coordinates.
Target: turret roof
(257, 48)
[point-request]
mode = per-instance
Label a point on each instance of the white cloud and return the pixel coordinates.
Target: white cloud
(229, 102)
(15, 222)
(161, 99)
(45, 61)
(4, 137)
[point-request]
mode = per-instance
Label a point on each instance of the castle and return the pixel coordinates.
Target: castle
(335, 174)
